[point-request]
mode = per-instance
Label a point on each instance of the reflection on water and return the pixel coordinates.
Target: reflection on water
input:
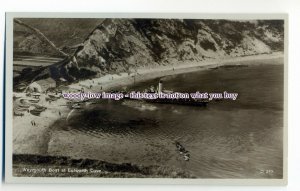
(228, 139)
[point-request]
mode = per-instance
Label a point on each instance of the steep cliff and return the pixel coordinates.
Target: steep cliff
(123, 45)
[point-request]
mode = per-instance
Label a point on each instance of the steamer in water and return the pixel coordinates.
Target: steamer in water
(178, 101)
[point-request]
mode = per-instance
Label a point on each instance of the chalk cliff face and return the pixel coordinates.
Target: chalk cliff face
(123, 45)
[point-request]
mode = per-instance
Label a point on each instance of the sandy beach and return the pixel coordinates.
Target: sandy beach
(110, 81)
(29, 139)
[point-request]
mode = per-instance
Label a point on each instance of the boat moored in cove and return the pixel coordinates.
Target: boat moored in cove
(184, 100)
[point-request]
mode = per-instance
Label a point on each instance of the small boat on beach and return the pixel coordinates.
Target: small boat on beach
(24, 106)
(21, 109)
(18, 113)
(54, 96)
(29, 100)
(38, 109)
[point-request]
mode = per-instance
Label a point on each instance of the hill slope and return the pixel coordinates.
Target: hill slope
(63, 32)
(122, 45)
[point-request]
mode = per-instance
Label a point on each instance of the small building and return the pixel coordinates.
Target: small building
(33, 87)
(47, 83)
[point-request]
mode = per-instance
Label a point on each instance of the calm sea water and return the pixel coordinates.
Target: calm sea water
(227, 139)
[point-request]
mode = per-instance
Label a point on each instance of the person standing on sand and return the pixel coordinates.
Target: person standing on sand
(59, 113)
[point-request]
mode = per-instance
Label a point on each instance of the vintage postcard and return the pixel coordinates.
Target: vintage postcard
(146, 98)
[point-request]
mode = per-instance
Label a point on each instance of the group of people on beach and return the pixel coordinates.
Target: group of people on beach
(33, 123)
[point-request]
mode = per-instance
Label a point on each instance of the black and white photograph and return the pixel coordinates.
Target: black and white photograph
(168, 98)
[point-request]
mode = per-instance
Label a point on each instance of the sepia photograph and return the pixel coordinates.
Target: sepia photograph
(168, 98)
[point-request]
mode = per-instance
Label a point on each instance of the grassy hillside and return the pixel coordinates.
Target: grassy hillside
(62, 32)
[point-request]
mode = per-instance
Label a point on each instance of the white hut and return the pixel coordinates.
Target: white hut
(47, 83)
(41, 85)
(34, 87)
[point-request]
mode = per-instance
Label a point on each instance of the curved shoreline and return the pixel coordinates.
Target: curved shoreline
(109, 81)
(28, 139)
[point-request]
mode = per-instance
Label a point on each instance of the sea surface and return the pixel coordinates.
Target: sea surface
(226, 139)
